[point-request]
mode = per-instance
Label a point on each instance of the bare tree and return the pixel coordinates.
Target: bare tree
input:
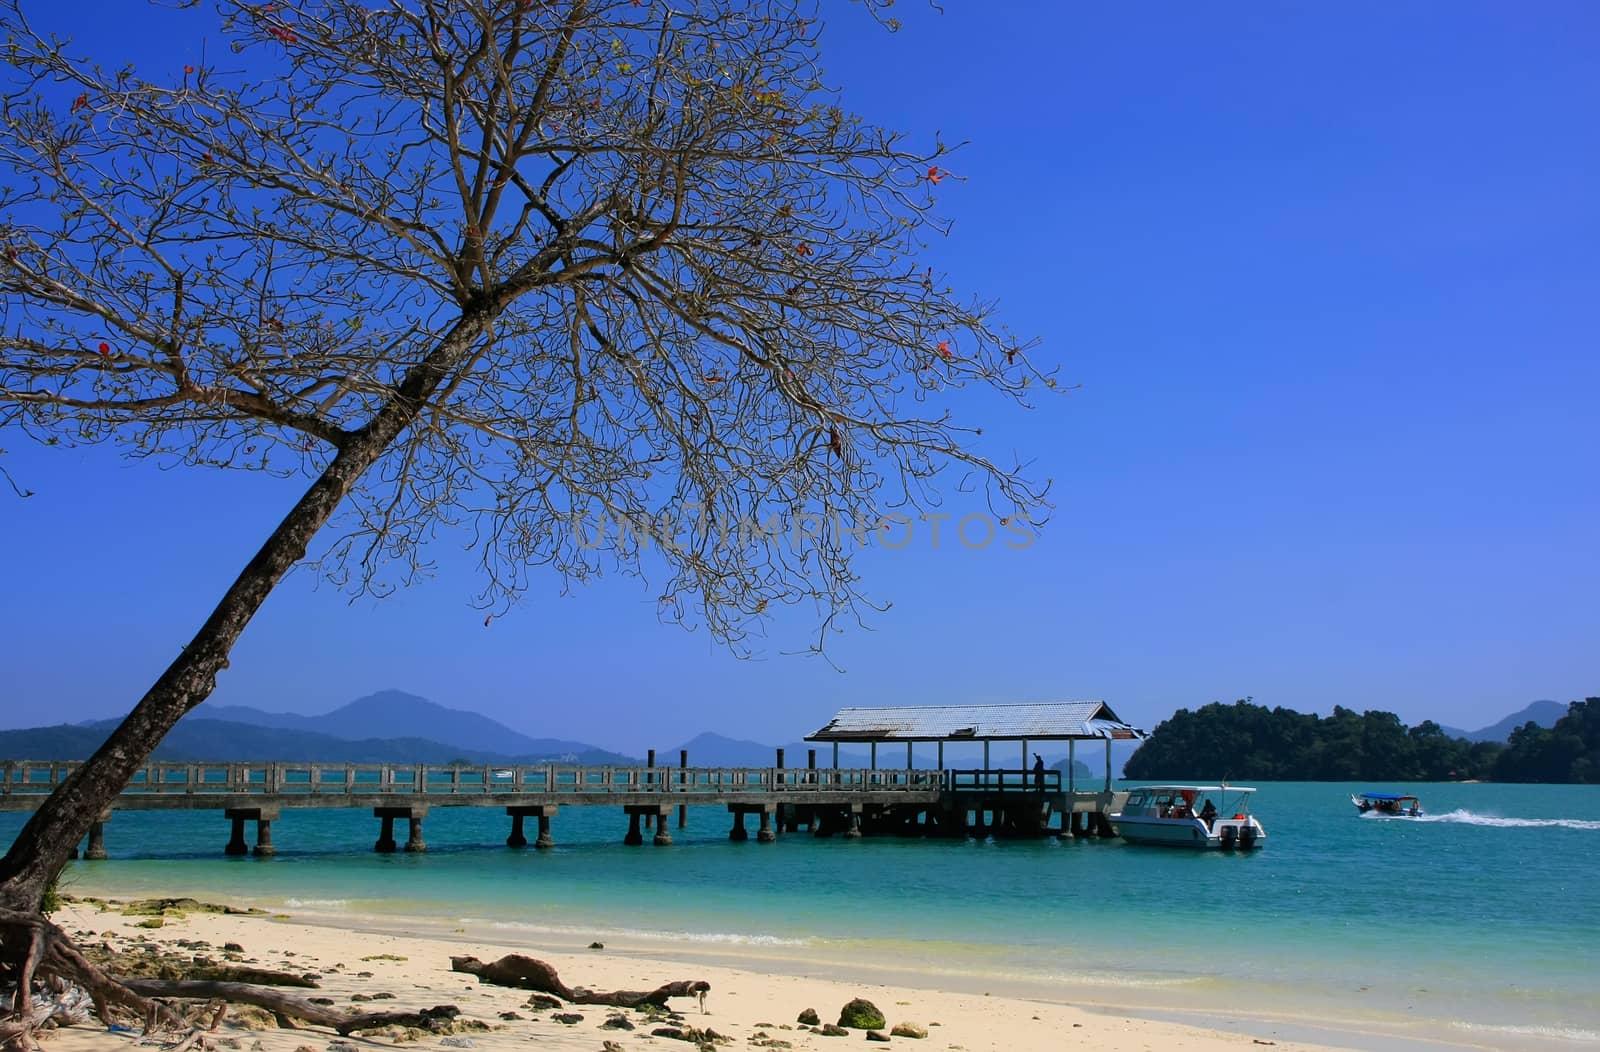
(522, 267)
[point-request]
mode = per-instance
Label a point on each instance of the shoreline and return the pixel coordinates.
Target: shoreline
(751, 992)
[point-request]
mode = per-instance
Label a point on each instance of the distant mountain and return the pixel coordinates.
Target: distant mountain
(715, 750)
(396, 714)
(1544, 713)
(197, 739)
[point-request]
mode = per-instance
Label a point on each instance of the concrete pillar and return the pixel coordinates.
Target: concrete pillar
(97, 840)
(738, 832)
(662, 838)
(634, 838)
(854, 832)
(385, 844)
(544, 840)
(766, 835)
(517, 838)
(779, 764)
(414, 843)
(264, 846)
(236, 844)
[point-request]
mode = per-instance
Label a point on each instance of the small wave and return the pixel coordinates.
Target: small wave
(1106, 979)
(722, 937)
(1559, 1033)
(300, 904)
(1472, 819)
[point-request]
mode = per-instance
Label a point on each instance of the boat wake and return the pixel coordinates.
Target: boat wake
(1464, 817)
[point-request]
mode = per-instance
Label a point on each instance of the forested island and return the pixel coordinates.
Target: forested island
(1245, 741)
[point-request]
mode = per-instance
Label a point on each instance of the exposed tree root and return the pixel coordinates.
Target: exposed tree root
(284, 1004)
(527, 973)
(36, 953)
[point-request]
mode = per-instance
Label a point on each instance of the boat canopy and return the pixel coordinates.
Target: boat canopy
(1384, 796)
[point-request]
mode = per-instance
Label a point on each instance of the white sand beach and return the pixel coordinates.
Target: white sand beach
(751, 1008)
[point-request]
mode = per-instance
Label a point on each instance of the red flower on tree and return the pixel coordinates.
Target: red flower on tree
(944, 349)
(936, 174)
(105, 348)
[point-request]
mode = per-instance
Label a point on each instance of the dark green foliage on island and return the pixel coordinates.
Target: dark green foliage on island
(1244, 741)
(1247, 741)
(1567, 752)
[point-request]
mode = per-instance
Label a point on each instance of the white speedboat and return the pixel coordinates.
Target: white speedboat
(1215, 817)
(1388, 804)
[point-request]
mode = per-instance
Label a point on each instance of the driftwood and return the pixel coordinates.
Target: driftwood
(284, 1004)
(526, 973)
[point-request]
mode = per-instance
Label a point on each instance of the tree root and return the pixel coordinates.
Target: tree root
(284, 1004)
(37, 953)
(36, 950)
(527, 973)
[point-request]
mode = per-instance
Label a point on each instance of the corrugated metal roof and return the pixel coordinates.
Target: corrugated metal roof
(1039, 721)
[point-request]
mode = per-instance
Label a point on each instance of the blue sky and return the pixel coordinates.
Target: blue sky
(1328, 279)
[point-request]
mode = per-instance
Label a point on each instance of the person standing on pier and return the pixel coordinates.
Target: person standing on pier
(1038, 771)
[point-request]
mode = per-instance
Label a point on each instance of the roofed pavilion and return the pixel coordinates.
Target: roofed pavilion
(1069, 721)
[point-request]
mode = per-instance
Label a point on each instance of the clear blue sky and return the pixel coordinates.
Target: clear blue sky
(1328, 276)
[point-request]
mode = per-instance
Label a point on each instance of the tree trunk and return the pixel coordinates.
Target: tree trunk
(46, 842)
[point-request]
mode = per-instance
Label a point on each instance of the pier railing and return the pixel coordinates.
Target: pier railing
(28, 777)
(996, 780)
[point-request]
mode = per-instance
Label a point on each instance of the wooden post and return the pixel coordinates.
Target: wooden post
(835, 756)
(874, 756)
(780, 759)
(909, 764)
(986, 754)
(1072, 762)
(683, 809)
(941, 754)
(1108, 765)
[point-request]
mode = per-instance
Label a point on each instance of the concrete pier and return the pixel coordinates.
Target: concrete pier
(827, 802)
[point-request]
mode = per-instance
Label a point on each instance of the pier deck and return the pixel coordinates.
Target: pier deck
(850, 801)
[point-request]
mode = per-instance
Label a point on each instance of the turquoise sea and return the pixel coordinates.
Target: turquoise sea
(1479, 923)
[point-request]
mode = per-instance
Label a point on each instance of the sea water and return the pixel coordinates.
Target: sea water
(1480, 920)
